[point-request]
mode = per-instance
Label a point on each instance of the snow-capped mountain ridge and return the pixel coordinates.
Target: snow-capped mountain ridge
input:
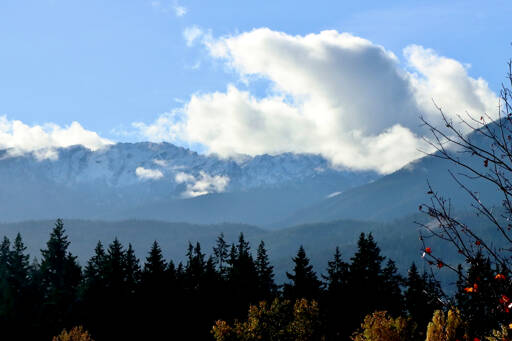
(116, 165)
(124, 179)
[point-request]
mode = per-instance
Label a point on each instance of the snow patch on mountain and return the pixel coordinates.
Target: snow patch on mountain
(332, 195)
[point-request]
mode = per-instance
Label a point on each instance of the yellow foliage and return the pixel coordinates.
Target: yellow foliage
(305, 321)
(381, 327)
(222, 331)
(445, 327)
(75, 334)
(500, 335)
(278, 321)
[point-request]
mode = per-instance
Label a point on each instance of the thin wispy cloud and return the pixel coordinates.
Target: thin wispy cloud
(168, 7)
(180, 10)
(192, 34)
(195, 66)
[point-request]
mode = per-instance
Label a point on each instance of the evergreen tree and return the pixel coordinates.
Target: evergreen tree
(476, 297)
(392, 298)
(16, 306)
(94, 295)
(367, 261)
(243, 249)
(172, 272)
(94, 270)
(133, 270)
(265, 271)
(120, 281)
(365, 281)
(155, 266)
(220, 254)
(180, 276)
(19, 271)
(334, 299)
(19, 262)
(232, 260)
(420, 299)
(5, 289)
(414, 293)
(305, 283)
(195, 268)
(337, 274)
(155, 294)
(242, 277)
(115, 270)
(211, 277)
(5, 252)
(60, 279)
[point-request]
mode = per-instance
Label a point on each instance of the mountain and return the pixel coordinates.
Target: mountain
(400, 193)
(165, 182)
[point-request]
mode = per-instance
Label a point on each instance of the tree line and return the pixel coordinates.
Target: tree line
(116, 296)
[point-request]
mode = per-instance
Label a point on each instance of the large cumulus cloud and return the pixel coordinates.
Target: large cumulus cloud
(331, 93)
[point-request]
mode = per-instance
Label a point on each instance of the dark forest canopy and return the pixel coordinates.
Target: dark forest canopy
(117, 296)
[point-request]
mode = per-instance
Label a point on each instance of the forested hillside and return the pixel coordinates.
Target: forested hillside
(319, 240)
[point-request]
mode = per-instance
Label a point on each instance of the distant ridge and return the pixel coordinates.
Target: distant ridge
(319, 239)
(152, 181)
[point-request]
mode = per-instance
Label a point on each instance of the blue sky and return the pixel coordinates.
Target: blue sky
(108, 64)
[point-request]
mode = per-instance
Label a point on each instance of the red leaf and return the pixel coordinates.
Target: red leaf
(499, 276)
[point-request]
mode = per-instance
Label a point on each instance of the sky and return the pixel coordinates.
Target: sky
(345, 79)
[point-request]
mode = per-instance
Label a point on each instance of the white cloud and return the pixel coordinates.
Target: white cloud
(165, 128)
(195, 66)
(166, 7)
(203, 184)
(331, 93)
(180, 10)
(192, 34)
(447, 82)
(20, 138)
(182, 177)
(148, 174)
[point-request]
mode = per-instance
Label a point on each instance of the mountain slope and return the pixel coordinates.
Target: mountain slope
(163, 181)
(399, 194)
